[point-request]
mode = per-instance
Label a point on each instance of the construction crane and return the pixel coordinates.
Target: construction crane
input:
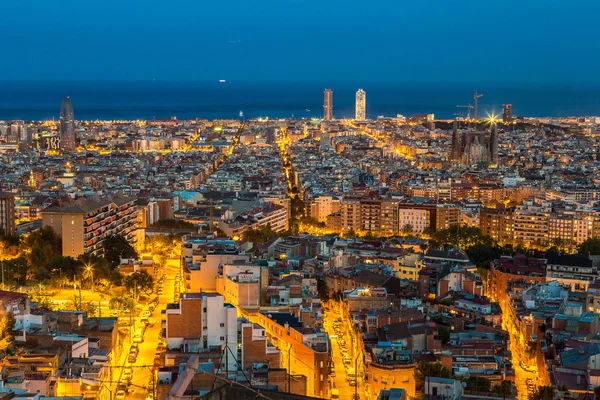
(469, 107)
(476, 96)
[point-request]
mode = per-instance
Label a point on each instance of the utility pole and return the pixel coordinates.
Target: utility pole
(289, 368)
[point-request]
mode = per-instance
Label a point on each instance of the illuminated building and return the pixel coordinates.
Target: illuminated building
(507, 114)
(361, 105)
(200, 321)
(83, 224)
(328, 105)
(67, 126)
(7, 213)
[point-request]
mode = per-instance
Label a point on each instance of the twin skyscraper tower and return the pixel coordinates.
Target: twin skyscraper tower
(360, 107)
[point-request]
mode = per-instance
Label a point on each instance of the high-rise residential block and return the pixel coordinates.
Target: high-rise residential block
(328, 105)
(361, 105)
(83, 224)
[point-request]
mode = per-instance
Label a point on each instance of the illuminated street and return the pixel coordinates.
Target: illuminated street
(142, 382)
(338, 352)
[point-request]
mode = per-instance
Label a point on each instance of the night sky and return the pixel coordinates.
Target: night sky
(452, 41)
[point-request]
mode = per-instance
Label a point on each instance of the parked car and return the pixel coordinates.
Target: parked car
(127, 374)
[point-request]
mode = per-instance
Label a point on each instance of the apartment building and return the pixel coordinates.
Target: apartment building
(272, 215)
(201, 321)
(243, 284)
(322, 206)
(85, 222)
(498, 223)
(307, 349)
(7, 213)
(574, 271)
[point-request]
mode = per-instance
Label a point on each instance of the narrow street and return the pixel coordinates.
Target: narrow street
(142, 381)
(343, 346)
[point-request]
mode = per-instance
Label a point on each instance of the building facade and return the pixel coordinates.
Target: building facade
(7, 213)
(83, 224)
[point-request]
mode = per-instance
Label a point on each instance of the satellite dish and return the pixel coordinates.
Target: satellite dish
(464, 384)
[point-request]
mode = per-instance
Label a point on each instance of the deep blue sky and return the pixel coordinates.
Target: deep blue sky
(460, 41)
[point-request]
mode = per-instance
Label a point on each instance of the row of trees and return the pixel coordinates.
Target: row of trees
(38, 256)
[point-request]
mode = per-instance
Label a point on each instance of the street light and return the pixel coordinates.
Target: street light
(90, 271)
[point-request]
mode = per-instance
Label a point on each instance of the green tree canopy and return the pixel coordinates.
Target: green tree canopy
(590, 247)
(261, 235)
(478, 384)
(141, 281)
(63, 266)
(461, 236)
(542, 393)
(117, 247)
(323, 290)
(426, 369)
(39, 247)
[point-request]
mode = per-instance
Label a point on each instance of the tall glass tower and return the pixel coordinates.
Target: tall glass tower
(67, 126)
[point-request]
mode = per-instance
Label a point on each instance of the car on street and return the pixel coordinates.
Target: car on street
(352, 382)
(146, 313)
(138, 338)
(127, 374)
(120, 395)
(132, 357)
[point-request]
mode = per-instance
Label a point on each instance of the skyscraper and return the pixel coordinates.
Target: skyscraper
(361, 105)
(507, 113)
(67, 125)
(328, 105)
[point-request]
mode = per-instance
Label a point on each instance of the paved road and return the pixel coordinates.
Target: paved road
(143, 380)
(340, 380)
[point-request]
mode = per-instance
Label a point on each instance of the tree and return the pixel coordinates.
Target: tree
(590, 247)
(43, 303)
(542, 393)
(461, 236)
(40, 246)
(478, 384)
(482, 254)
(503, 389)
(408, 228)
(7, 324)
(120, 303)
(117, 247)
(63, 266)
(140, 281)
(426, 369)
(444, 335)
(323, 290)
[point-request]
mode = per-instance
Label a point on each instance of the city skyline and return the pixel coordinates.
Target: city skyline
(199, 201)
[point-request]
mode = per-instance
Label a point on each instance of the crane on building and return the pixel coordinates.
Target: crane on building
(476, 96)
(468, 107)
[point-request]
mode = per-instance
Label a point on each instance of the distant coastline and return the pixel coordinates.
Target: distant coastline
(37, 100)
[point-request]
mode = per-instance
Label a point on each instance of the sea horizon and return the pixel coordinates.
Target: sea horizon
(142, 99)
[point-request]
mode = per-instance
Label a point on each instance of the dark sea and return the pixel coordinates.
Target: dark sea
(185, 100)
